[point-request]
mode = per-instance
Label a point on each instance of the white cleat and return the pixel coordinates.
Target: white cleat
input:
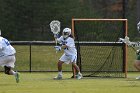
(79, 76)
(59, 77)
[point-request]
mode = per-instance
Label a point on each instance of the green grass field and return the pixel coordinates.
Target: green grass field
(44, 83)
(46, 59)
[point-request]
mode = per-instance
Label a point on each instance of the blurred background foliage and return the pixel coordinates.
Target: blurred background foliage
(28, 20)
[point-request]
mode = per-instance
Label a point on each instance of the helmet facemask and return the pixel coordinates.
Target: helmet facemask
(65, 34)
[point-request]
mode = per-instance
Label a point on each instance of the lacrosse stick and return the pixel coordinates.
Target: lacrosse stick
(55, 29)
(125, 40)
(138, 27)
(131, 44)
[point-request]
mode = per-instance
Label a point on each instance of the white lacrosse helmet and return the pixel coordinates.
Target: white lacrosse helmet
(66, 32)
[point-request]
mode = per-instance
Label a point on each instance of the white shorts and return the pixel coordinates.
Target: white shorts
(8, 61)
(68, 58)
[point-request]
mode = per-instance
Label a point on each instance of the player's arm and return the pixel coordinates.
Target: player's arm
(59, 39)
(126, 40)
(0, 46)
(135, 44)
(64, 46)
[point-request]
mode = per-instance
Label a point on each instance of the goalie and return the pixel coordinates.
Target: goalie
(70, 52)
(133, 44)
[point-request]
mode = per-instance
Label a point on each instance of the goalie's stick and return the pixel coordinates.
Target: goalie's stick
(138, 26)
(55, 29)
(131, 44)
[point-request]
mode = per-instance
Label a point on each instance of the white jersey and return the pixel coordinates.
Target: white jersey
(5, 47)
(69, 42)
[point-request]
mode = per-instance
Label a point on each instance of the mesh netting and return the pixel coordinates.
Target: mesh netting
(99, 52)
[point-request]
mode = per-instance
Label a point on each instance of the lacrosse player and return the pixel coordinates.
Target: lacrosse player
(133, 44)
(7, 57)
(137, 61)
(70, 52)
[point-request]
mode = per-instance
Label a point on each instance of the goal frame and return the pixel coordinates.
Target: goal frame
(125, 23)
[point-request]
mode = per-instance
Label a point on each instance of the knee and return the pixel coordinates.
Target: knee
(7, 70)
(74, 65)
(60, 63)
(134, 64)
(137, 64)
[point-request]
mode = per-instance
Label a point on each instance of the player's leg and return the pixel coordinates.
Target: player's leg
(59, 66)
(73, 72)
(9, 71)
(60, 69)
(75, 66)
(137, 66)
(79, 75)
(10, 61)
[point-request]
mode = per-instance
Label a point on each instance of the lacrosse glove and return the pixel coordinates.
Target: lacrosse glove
(138, 52)
(57, 48)
(56, 35)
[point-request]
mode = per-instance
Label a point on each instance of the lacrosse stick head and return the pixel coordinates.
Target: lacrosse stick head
(55, 26)
(138, 27)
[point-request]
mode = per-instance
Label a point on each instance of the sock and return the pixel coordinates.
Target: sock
(79, 73)
(60, 73)
(12, 72)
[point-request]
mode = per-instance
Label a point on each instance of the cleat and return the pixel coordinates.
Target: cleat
(72, 76)
(17, 77)
(79, 76)
(59, 77)
(138, 78)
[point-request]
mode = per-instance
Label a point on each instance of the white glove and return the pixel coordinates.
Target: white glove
(138, 52)
(125, 40)
(121, 40)
(57, 48)
(56, 35)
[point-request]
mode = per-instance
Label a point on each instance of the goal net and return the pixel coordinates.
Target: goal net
(99, 52)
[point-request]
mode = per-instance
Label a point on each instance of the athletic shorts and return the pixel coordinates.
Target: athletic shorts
(138, 57)
(8, 61)
(68, 58)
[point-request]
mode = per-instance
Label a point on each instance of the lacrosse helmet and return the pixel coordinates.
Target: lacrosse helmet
(66, 32)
